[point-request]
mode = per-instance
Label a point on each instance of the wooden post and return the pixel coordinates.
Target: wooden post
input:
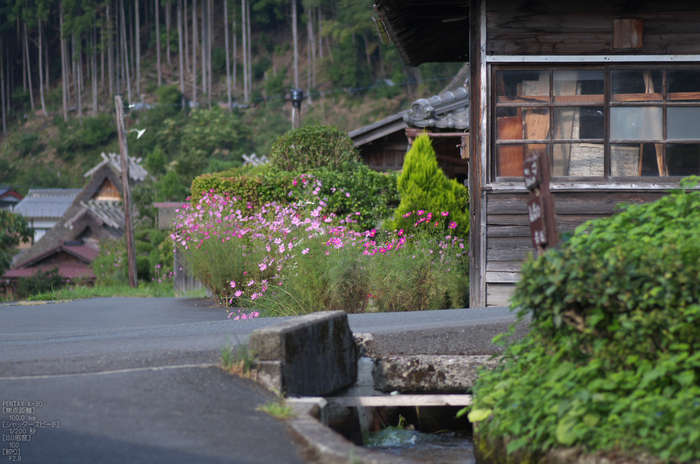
(126, 193)
(540, 205)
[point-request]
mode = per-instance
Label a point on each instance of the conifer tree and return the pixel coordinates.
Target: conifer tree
(424, 187)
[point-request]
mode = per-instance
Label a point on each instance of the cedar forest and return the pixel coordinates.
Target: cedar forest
(209, 80)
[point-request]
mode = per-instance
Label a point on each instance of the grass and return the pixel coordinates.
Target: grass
(144, 290)
(238, 362)
(277, 409)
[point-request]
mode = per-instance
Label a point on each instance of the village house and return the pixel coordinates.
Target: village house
(94, 214)
(608, 91)
(445, 117)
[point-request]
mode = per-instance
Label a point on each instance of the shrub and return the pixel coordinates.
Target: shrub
(612, 361)
(355, 188)
(39, 282)
(312, 147)
(423, 186)
(110, 265)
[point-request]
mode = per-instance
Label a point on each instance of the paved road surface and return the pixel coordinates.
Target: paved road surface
(135, 380)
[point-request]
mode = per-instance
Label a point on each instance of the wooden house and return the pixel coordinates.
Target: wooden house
(383, 145)
(89, 216)
(608, 90)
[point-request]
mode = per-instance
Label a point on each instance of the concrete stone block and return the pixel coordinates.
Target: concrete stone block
(428, 374)
(312, 355)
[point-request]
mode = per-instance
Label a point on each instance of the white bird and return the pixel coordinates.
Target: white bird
(139, 132)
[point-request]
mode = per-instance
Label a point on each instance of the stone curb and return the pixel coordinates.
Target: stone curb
(329, 446)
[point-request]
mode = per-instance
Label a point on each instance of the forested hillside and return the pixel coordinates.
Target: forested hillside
(208, 80)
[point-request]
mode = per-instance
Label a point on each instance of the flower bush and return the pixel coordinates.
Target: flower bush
(297, 258)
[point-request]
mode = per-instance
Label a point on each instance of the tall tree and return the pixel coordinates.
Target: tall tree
(194, 52)
(138, 48)
(94, 68)
(110, 51)
(246, 90)
(204, 49)
(228, 65)
(179, 42)
(29, 68)
(2, 89)
(64, 65)
(235, 49)
(168, 14)
(158, 65)
(295, 38)
(126, 51)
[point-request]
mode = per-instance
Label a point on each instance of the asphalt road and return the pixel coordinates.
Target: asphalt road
(135, 380)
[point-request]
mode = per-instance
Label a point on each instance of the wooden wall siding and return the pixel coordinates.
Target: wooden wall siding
(508, 232)
(525, 27)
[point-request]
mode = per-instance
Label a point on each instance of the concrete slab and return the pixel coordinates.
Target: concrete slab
(312, 355)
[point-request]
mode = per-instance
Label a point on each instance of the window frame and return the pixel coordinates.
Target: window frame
(607, 105)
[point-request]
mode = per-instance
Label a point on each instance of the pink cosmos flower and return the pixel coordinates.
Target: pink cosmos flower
(233, 284)
(305, 251)
(453, 225)
(445, 213)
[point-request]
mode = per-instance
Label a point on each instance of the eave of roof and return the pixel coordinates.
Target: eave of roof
(378, 129)
(65, 270)
(427, 31)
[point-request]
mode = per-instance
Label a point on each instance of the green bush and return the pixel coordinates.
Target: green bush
(312, 147)
(85, 134)
(612, 361)
(39, 282)
(423, 186)
(110, 265)
(353, 188)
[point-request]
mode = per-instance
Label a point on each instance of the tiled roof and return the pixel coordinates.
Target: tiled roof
(8, 194)
(65, 270)
(136, 171)
(106, 211)
(76, 248)
(46, 203)
(449, 110)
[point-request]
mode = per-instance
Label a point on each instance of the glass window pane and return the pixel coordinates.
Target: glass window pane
(683, 84)
(683, 159)
(576, 123)
(637, 159)
(642, 85)
(683, 123)
(578, 159)
(522, 86)
(510, 158)
(578, 86)
(636, 123)
(523, 123)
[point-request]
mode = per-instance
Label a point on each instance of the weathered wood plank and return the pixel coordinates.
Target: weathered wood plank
(593, 203)
(502, 277)
(566, 222)
(499, 294)
(508, 249)
(504, 266)
(400, 401)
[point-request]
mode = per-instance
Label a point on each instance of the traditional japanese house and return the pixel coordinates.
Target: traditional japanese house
(608, 90)
(445, 117)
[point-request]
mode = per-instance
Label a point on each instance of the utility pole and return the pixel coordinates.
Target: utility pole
(126, 193)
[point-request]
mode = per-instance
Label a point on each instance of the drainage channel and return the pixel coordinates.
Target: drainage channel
(422, 428)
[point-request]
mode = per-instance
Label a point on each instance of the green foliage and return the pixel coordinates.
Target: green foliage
(312, 147)
(13, 229)
(352, 188)
(39, 282)
(210, 133)
(413, 279)
(110, 265)
(423, 186)
(612, 361)
(23, 145)
(88, 133)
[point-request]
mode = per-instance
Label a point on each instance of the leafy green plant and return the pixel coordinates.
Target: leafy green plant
(423, 186)
(277, 409)
(39, 282)
(612, 362)
(13, 229)
(312, 147)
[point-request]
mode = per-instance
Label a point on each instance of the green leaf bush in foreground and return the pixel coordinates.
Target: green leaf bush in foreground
(612, 362)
